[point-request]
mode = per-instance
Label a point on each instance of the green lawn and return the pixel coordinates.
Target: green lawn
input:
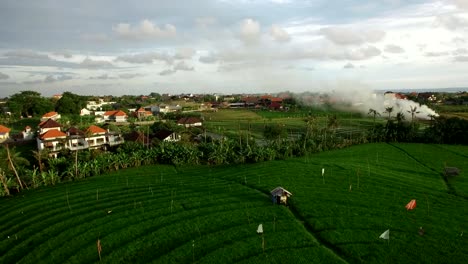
(163, 214)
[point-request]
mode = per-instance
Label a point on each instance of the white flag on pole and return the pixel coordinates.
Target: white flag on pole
(385, 235)
(323, 171)
(260, 229)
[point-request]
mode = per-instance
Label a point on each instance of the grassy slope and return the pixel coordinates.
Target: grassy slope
(165, 215)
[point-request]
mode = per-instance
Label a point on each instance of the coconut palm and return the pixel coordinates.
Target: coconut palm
(413, 111)
(389, 110)
(374, 113)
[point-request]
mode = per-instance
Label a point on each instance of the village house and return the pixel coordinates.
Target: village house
(27, 133)
(190, 122)
(168, 136)
(169, 108)
(53, 139)
(115, 116)
(141, 113)
(4, 133)
(96, 105)
(51, 115)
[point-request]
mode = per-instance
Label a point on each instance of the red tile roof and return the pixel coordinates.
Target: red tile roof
(50, 114)
(49, 123)
(115, 113)
(53, 133)
(96, 130)
(4, 129)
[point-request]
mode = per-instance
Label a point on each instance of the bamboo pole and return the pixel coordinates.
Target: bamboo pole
(13, 167)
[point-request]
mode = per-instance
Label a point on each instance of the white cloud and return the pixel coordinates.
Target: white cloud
(436, 54)
(279, 34)
(59, 78)
(451, 21)
(249, 31)
(145, 58)
(145, 30)
(393, 49)
(167, 72)
(349, 36)
(461, 59)
(205, 22)
(89, 63)
(4, 76)
(129, 75)
(184, 53)
(460, 51)
(348, 66)
(182, 66)
(462, 4)
(363, 53)
(208, 59)
(104, 76)
(26, 54)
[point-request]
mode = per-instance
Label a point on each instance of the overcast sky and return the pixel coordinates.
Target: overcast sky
(115, 47)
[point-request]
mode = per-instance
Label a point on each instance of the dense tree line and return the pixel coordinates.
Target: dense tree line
(235, 150)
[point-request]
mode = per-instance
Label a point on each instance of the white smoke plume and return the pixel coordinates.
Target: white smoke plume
(362, 100)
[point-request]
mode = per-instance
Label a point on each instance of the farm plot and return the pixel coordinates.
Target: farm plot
(363, 192)
(152, 214)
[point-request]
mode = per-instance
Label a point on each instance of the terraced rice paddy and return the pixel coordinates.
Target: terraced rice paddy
(163, 214)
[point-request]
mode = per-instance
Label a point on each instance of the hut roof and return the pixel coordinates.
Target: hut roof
(280, 191)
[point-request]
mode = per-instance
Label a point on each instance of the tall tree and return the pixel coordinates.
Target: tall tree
(70, 103)
(29, 103)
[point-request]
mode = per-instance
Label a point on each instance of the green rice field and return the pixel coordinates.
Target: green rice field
(200, 214)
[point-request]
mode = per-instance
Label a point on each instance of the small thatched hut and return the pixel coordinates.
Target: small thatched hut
(279, 195)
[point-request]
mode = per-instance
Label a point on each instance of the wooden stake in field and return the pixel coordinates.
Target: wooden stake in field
(260, 231)
(99, 248)
(323, 175)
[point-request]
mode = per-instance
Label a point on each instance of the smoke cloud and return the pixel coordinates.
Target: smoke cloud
(361, 100)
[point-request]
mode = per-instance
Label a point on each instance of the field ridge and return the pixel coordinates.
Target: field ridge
(450, 188)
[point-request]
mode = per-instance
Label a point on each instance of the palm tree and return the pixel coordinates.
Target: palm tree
(413, 112)
(389, 110)
(374, 113)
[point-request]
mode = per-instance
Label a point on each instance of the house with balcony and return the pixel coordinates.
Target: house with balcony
(53, 139)
(95, 136)
(76, 139)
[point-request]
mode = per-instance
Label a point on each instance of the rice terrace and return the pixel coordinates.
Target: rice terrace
(342, 201)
